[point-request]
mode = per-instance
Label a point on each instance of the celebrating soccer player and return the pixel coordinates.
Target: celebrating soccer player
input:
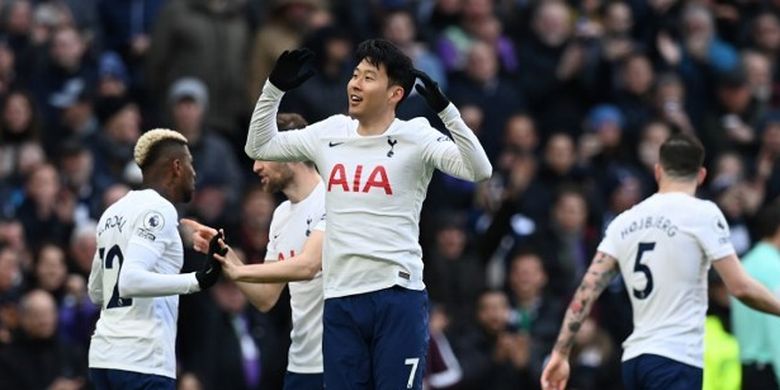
(135, 273)
(376, 170)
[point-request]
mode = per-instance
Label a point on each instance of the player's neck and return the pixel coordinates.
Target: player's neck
(301, 186)
(686, 187)
(375, 125)
(162, 189)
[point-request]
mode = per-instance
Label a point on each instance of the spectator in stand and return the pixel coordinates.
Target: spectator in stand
(494, 355)
(36, 359)
(534, 310)
(731, 124)
(212, 156)
(456, 276)
(288, 23)
(126, 29)
(206, 39)
(43, 213)
(113, 146)
(483, 87)
(67, 67)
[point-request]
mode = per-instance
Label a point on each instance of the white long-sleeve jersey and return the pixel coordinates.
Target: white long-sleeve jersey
(665, 246)
(135, 278)
(375, 187)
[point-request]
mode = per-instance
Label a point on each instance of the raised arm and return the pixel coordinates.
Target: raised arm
(264, 142)
(743, 287)
(601, 271)
(467, 158)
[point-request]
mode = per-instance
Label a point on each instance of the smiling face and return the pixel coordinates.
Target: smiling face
(369, 91)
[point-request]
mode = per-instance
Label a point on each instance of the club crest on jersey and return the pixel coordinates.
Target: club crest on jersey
(153, 221)
(377, 179)
(391, 141)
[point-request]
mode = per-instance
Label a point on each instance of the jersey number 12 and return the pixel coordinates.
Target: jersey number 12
(108, 263)
(643, 268)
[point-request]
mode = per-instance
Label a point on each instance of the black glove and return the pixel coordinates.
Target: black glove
(211, 271)
(292, 69)
(431, 91)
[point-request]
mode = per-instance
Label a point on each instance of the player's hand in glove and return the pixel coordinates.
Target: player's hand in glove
(431, 92)
(292, 69)
(210, 272)
(231, 263)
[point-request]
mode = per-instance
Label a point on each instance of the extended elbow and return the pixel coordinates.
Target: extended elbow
(125, 284)
(483, 173)
(741, 291)
(311, 271)
(250, 151)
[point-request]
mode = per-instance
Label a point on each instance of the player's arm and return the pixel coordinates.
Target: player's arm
(263, 141)
(303, 266)
(743, 287)
(138, 276)
(465, 159)
(263, 283)
(601, 271)
(95, 283)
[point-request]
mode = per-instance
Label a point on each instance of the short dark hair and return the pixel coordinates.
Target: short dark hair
(397, 64)
(159, 150)
(682, 156)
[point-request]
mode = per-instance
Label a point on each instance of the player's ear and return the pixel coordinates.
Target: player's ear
(658, 172)
(396, 93)
(701, 176)
(177, 167)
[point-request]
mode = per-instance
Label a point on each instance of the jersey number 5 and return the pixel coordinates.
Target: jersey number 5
(643, 268)
(108, 262)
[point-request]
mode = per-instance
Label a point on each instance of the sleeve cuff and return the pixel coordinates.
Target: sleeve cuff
(194, 285)
(270, 90)
(449, 114)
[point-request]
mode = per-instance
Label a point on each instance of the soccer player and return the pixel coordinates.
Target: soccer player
(135, 273)
(663, 247)
(376, 170)
(294, 255)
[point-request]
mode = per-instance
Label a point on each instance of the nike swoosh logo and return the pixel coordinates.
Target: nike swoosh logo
(332, 144)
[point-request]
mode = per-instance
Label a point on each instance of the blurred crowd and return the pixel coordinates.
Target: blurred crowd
(571, 100)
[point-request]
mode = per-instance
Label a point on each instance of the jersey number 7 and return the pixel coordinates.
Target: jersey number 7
(108, 263)
(643, 268)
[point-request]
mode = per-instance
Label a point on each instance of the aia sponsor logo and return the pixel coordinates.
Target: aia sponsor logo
(375, 180)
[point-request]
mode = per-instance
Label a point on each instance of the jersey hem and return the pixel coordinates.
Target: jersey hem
(140, 370)
(631, 355)
(305, 369)
(372, 288)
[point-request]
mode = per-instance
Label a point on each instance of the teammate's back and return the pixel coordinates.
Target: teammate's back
(664, 247)
(128, 326)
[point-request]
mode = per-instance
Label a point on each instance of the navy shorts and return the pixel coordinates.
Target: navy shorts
(110, 379)
(294, 380)
(651, 372)
(376, 340)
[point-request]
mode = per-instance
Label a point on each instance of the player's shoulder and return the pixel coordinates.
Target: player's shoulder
(154, 211)
(338, 125)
